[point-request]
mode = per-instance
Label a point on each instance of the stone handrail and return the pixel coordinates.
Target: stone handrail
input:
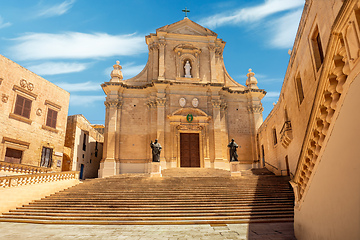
(21, 180)
(22, 169)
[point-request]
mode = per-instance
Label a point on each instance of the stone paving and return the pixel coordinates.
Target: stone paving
(256, 231)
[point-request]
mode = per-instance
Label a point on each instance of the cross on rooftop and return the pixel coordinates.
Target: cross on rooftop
(186, 11)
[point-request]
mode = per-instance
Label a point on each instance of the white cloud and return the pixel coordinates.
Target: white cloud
(4, 24)
(272, 94)
(75, 45)
(56, 10)
(53, 68)
(251, 14)
(85, 101)
(79, 87)
(284, 30)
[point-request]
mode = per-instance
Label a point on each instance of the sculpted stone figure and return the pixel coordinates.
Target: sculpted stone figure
(156, 149)
(187, 68)
(233, 153)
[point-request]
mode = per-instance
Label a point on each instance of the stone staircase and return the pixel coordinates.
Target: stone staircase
(197, 198)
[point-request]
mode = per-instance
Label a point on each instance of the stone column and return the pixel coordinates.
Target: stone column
(160, 102)
(212, 63)
(161, 61)
(108, 163)
(218, 161)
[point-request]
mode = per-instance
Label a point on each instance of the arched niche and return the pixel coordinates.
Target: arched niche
(187, 52)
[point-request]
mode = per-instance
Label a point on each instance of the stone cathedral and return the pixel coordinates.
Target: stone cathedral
(185, 98)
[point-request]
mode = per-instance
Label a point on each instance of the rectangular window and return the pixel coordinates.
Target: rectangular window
(51, 118)
(22, 106)
(84, 142)
(274, 136)
(300, 90)
(13, 155)
(96, 149)
(317, 49)
(46, 157)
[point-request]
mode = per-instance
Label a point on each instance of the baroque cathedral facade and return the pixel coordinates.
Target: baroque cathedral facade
(185, 98)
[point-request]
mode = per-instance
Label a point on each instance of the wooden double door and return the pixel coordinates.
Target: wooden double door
(189, 150)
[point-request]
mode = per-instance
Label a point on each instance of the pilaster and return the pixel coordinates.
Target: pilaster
(161, 60)
(109, 163)
(160, 103)
(212, 63)
(218, 161)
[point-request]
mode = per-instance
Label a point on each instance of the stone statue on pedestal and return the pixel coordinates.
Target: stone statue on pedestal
(233, 153)
(187, 68)
(156, 149)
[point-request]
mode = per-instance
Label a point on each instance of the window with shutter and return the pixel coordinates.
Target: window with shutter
(51, 118)
(22, 106)
(13, 155)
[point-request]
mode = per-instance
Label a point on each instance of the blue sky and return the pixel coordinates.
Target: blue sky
(74, 43)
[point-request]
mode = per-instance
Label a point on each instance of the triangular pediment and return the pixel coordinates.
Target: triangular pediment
(187, 27)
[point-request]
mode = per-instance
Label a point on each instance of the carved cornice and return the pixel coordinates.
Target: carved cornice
(216, 103)
(160, 102)
(113, 103)
(255, 109)
(191, 127)
(151, 104)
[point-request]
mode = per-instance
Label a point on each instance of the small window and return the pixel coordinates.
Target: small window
(300, 90)
(96, 149)
(13, 155)
(46, 157)
(84, 143)
(274, 136)
(22, 106)
(318, 50)
(51, 118)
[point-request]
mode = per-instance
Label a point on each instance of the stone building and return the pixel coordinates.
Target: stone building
(185, 98)
(312, 133)
(33, 116)
(84, 145)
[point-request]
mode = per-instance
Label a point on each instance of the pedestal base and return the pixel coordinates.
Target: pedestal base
(235, 169)
(108, 168)
(155, 169)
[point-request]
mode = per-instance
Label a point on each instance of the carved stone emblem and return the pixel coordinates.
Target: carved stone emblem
(182, 102)
(30, 86)
(23, 83)
(38, 112)
(195, 102)
(4, 98)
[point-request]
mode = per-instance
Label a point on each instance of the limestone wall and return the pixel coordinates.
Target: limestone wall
(330, 209)
(301, 65)
(30, 135)
(78, 125)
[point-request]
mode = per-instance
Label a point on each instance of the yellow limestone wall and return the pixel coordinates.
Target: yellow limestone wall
(331, 208)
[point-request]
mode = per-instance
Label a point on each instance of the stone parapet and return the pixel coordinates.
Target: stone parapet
(18, 169)
(22, 180)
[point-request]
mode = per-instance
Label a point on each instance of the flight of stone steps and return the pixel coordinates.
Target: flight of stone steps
(202, 197)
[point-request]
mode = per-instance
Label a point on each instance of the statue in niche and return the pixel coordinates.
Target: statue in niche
(187, 68)
(233, 153)
(156, 149)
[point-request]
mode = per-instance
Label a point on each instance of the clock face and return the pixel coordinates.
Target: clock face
(195, 102)
(182, 102)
